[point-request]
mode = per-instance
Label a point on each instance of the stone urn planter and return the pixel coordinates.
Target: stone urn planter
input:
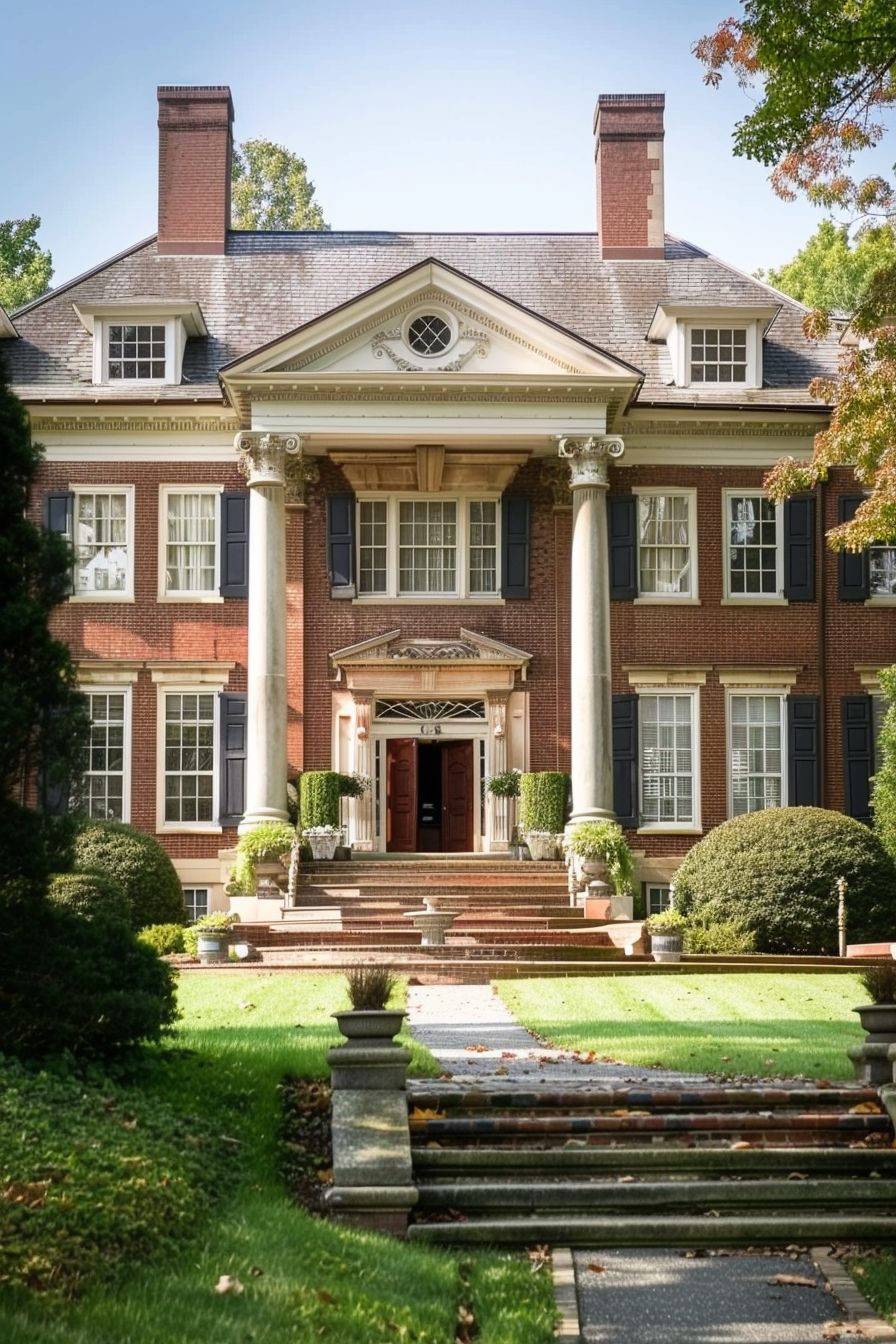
(323, 842)
(666, 946)
(432, 923)
(543, 845)
(212, 947)
(381, 1024)
(872, 1061)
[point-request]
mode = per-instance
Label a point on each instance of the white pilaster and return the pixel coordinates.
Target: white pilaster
(362, 808)
(499, 835)
(263, 462)
(590, 670)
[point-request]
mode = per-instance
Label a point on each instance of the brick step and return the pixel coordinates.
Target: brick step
(650, 1162)
(408, 955)
(695, 1197)
(524, 906)
(414, 896)
(683, 1127)
(665, 1100)
(434, 864)
(771, 1228)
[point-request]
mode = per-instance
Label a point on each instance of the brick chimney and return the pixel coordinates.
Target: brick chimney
(195, 153)
(628, 155)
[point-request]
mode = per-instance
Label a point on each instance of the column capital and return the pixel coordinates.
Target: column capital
(262, 456)
(588, 457)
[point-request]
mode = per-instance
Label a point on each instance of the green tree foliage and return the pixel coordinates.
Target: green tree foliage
(25, 268)
(827, 71)
(271, 190)
(139, 863)
(43, 714)
(92, 895)
(883, 797)
(775, 872)
(832, 270)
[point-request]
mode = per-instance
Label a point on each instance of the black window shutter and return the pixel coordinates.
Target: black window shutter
(858, 754)
(233, 756)
(235, 543)
(625, 759)
(622, 522)
(341, 545)
(58, 512)
(803, 739)
(515, 526)
(799, 549)
(852, 566)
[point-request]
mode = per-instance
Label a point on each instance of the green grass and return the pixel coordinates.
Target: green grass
(759, 1025)
(304, 1279)
(875, 1276)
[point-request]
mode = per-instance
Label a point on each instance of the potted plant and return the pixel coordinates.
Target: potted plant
(323, 840)
(258, 853)
(666, 935)
(209, 938)
(599, 847)
(369, 991)
(504, 785)
(543, 798)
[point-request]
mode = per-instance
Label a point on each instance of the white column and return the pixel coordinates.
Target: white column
(590, 670)
(263, 462)
(499, 837)
(362, 808)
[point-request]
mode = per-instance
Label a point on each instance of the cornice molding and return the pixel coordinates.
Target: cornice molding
(162, 424)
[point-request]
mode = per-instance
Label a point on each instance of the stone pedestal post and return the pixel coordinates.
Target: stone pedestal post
(263, 463)
(590, 670)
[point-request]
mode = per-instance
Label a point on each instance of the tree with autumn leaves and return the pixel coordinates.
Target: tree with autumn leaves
(826, 70)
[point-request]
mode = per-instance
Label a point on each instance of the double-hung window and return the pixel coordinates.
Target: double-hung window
(718, 355)
(756, 732)
(189, 541)
(427, 548)
(103, 542)
(137, 351)
(190, 794)
(753, 546)
(882, 571)
(107, 777)
(667, 544)
(668, 774)
(196, 902)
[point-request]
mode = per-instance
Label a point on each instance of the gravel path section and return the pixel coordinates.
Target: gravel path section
(450, 1019)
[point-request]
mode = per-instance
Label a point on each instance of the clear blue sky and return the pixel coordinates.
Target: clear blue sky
(430, 116)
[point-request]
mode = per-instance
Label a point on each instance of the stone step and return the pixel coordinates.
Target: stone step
(434, 863)
(652, 1161)
(697, 1197)
(409, 955)
(661, 1099)
(772, 1127)
(771, 1228)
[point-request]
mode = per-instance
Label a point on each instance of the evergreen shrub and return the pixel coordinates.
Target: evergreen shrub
(164, 939)
(90, 895)
(263, 844)
(543, 797)
(775, 872)
(883, 796)
(319, 794)
(139, 863)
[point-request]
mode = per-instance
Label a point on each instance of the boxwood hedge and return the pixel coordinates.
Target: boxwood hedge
(139, 863)
(90, 895)
(776, 872)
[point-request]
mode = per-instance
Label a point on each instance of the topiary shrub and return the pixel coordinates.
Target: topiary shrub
(80, 985)
(164, 939)
(139, 863)
(543, 796)
(90, 895)
(319, 794)
(775, 872)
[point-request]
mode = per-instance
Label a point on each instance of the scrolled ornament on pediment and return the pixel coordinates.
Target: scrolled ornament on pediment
(433, 648)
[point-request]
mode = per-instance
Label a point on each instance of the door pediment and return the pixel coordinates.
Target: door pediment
(469, 664)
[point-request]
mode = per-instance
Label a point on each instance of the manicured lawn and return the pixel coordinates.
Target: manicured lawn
(302, 1278)
(875, 1276)
(761, 1025)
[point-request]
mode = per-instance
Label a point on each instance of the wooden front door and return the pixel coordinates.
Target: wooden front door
(457, 797)
(401, 794)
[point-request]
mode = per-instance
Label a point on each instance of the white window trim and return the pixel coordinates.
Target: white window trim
(694, 827)
(190, 488)
(462, 592)
(658, 887)
(777, 692)
(197, 886)
(211, 683)
(732, 323)
(92, 488)
(91, 687)
(776, 598)
(175, 341)
(691, 598)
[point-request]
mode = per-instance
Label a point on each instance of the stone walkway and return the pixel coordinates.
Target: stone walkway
(450, 1019)
(658, 1296)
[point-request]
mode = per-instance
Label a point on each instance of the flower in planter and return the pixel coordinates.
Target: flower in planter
(310, 832)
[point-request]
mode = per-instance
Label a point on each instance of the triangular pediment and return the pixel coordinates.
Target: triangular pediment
(392, 646)
(432, 320)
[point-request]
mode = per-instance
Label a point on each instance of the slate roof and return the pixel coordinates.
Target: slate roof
(269, 283)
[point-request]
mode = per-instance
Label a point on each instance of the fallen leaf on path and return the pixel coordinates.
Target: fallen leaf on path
(420, 1114)
(476, 1049)
(595, 1268)
(793, 1281)
(866, 1108)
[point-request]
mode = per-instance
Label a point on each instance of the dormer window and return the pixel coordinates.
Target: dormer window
(713, 348)
(717, 355)
(138, 351)
(140, 340)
